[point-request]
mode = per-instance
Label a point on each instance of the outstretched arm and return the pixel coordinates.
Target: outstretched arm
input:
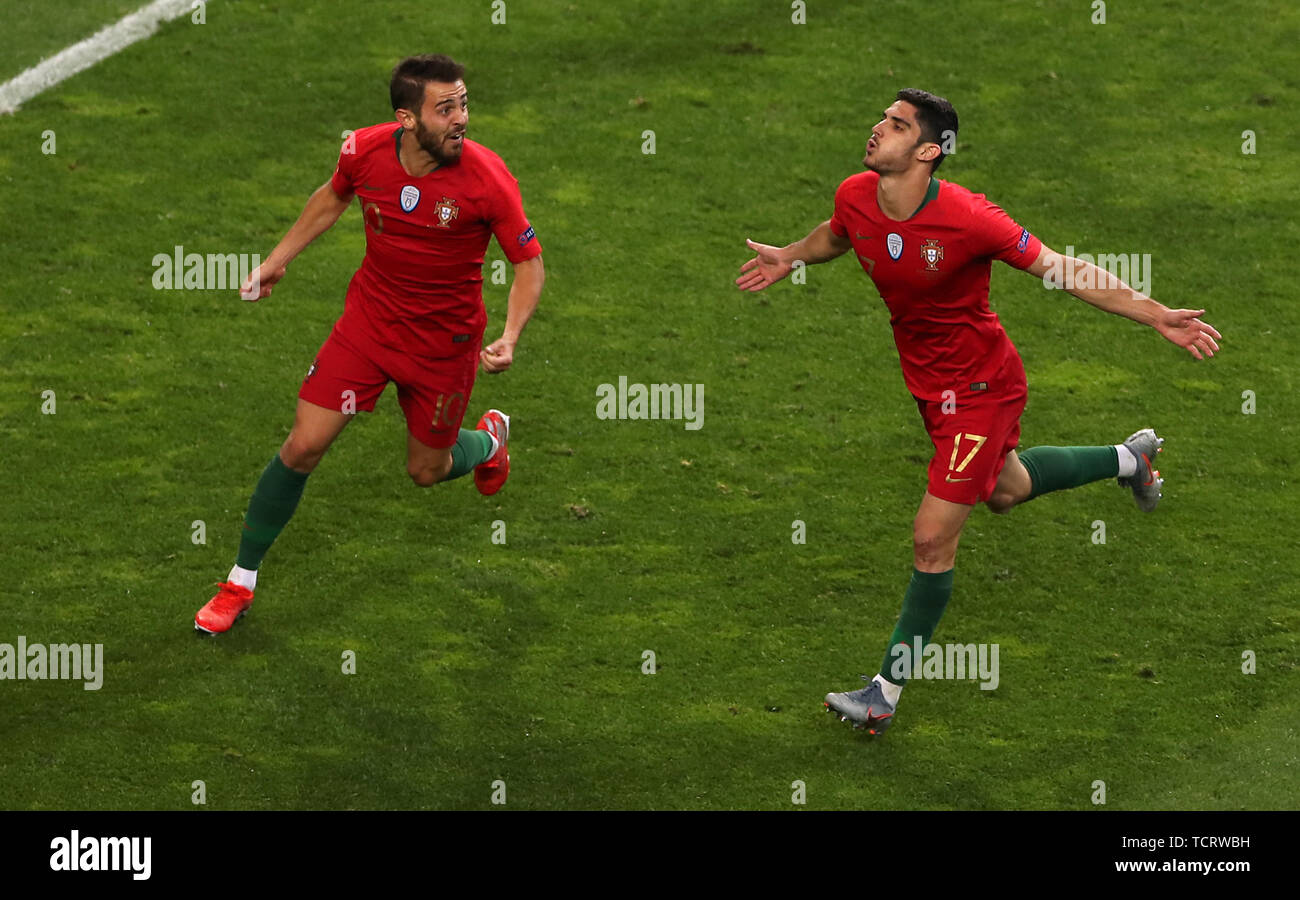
(774, 263)
(322, 210)
(1104, 291)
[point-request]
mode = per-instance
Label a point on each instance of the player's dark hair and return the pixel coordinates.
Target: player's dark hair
(406, 90)
(935, 115)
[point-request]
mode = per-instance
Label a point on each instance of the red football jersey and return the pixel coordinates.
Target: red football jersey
(420, 286)
(932, 271)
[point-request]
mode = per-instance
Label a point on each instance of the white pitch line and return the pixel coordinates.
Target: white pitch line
(82, 55)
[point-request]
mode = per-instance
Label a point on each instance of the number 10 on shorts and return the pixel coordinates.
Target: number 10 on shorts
(447, 411)
(979, 440)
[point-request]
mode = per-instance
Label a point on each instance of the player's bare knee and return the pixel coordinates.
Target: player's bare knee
(425, 473)
(931, 547)
(299, 454)
(423, 477)
(1001, 503)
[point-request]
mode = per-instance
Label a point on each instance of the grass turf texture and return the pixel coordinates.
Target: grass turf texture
(475, 661)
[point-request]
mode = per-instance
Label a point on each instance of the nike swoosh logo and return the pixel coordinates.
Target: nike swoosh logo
(865, 237)
(952, 480)
(369, 187)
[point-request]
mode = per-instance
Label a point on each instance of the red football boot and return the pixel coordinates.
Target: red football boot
(491, 475)
(219, 613)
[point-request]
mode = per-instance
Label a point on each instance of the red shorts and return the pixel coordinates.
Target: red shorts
(972, 433)
(352, 369)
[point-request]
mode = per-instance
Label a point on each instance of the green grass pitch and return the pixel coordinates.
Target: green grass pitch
(522, 662)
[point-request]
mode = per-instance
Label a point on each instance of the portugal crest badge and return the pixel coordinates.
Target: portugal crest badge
(932, 252)
(446, 210)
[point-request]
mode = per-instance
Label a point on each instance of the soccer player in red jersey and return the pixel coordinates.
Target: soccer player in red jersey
(431, 199)
(928, 245)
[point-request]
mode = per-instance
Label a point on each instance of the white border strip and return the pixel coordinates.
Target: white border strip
(81, 56)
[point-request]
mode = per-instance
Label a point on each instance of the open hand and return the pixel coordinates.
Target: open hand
(764, 269)
(1185, 328)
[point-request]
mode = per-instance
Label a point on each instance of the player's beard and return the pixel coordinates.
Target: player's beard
(878, 164)
(436, 145)
(883, 166)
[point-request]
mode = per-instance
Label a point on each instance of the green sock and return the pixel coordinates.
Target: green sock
(923, 605)
(472, 448)
(274, 500)
(1059, 468)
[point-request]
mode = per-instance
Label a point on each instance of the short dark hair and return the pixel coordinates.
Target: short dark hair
(406, 90)
(935, 115)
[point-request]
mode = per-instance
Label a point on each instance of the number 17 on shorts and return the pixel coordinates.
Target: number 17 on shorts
(971, 447)
(966, 465)
(975, 442)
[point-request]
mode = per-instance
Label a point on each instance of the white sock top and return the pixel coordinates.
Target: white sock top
(1128, 463)
(889, 689)
(245, 578)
